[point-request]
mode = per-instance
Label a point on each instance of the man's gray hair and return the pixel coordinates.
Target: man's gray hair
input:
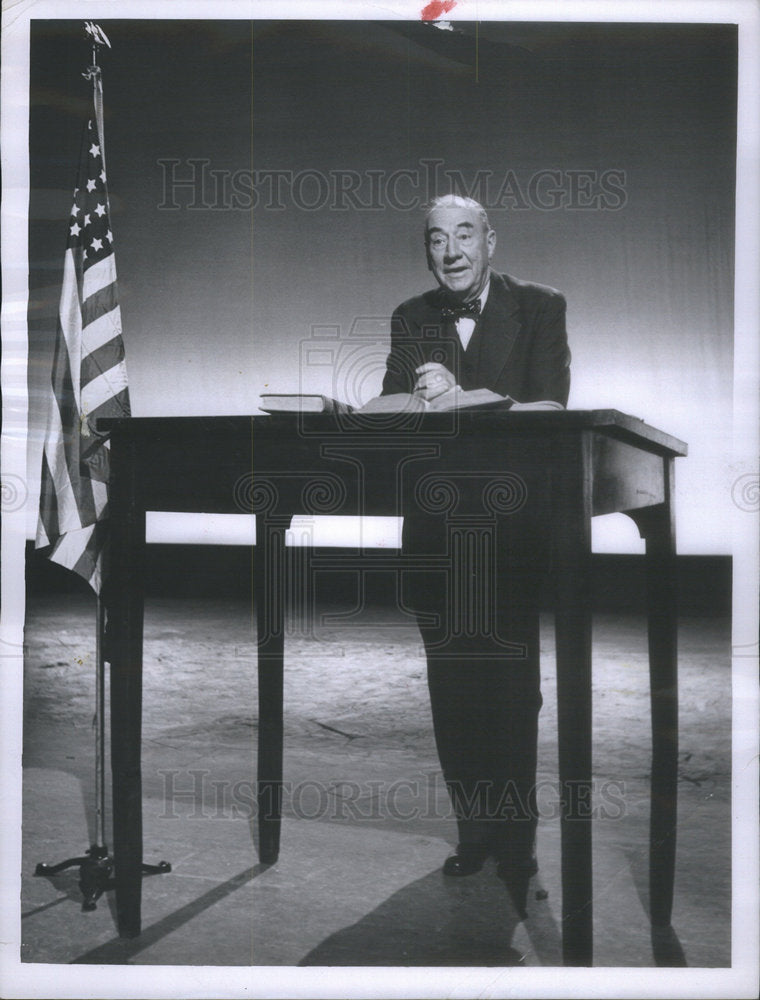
(457, 201)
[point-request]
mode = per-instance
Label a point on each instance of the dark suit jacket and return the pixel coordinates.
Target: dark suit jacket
(518, 349)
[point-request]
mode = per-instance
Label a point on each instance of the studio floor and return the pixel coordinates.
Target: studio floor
(367, 823)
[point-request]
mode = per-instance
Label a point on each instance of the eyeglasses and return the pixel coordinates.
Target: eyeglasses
(439, 242)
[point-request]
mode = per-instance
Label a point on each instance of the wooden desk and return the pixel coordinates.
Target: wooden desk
(594, 462)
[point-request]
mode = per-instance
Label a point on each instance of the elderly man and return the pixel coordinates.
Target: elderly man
(481, 336)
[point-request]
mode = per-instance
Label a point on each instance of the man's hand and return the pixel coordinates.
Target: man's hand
(433, 380)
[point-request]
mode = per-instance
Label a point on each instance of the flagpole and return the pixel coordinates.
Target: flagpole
(100, 716)
(100, 610)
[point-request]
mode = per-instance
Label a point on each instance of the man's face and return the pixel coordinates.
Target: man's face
(459, 249)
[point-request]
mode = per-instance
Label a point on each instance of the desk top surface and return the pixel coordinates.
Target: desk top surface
(466, 422)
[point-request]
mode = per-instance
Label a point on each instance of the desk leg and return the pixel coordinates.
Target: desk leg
(269, 593)
(125, 630)
(572, 533)
(657, 527)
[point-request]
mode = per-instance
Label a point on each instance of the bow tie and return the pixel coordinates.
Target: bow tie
(453, 310)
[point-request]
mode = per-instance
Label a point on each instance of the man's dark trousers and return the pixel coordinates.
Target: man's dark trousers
(478, 617)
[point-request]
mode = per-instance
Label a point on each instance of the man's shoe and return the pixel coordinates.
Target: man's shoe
(468, 859)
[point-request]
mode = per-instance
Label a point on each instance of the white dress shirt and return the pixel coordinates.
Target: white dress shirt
(466, 324)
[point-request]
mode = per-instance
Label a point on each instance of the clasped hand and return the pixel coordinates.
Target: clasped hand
(433, 380)
(439, 388)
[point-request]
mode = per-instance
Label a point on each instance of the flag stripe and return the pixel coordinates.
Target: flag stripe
(117, 406)
(95, 448)
(69, 332)
(48, 522)
(100, 495)
(80, 551)
(97, 274)
(102, 389)
(103, 329)
(101, 360)
(87, 563)
(102, 301)
(65, 420)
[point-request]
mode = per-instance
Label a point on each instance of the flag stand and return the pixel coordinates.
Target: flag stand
(96, 866)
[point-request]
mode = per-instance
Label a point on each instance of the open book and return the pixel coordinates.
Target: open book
(480, 399)
(293, 402)
(402, 402)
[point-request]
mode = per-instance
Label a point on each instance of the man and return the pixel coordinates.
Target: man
(481, 336)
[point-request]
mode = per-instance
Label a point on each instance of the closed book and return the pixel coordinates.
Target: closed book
(294, 402)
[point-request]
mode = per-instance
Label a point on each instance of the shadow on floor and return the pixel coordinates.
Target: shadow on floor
(436, 921)
(666, 948)
(118, 951)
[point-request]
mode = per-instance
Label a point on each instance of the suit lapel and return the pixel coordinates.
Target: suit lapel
(496, 331)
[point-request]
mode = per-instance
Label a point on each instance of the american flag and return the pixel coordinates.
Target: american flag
(89, 378)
